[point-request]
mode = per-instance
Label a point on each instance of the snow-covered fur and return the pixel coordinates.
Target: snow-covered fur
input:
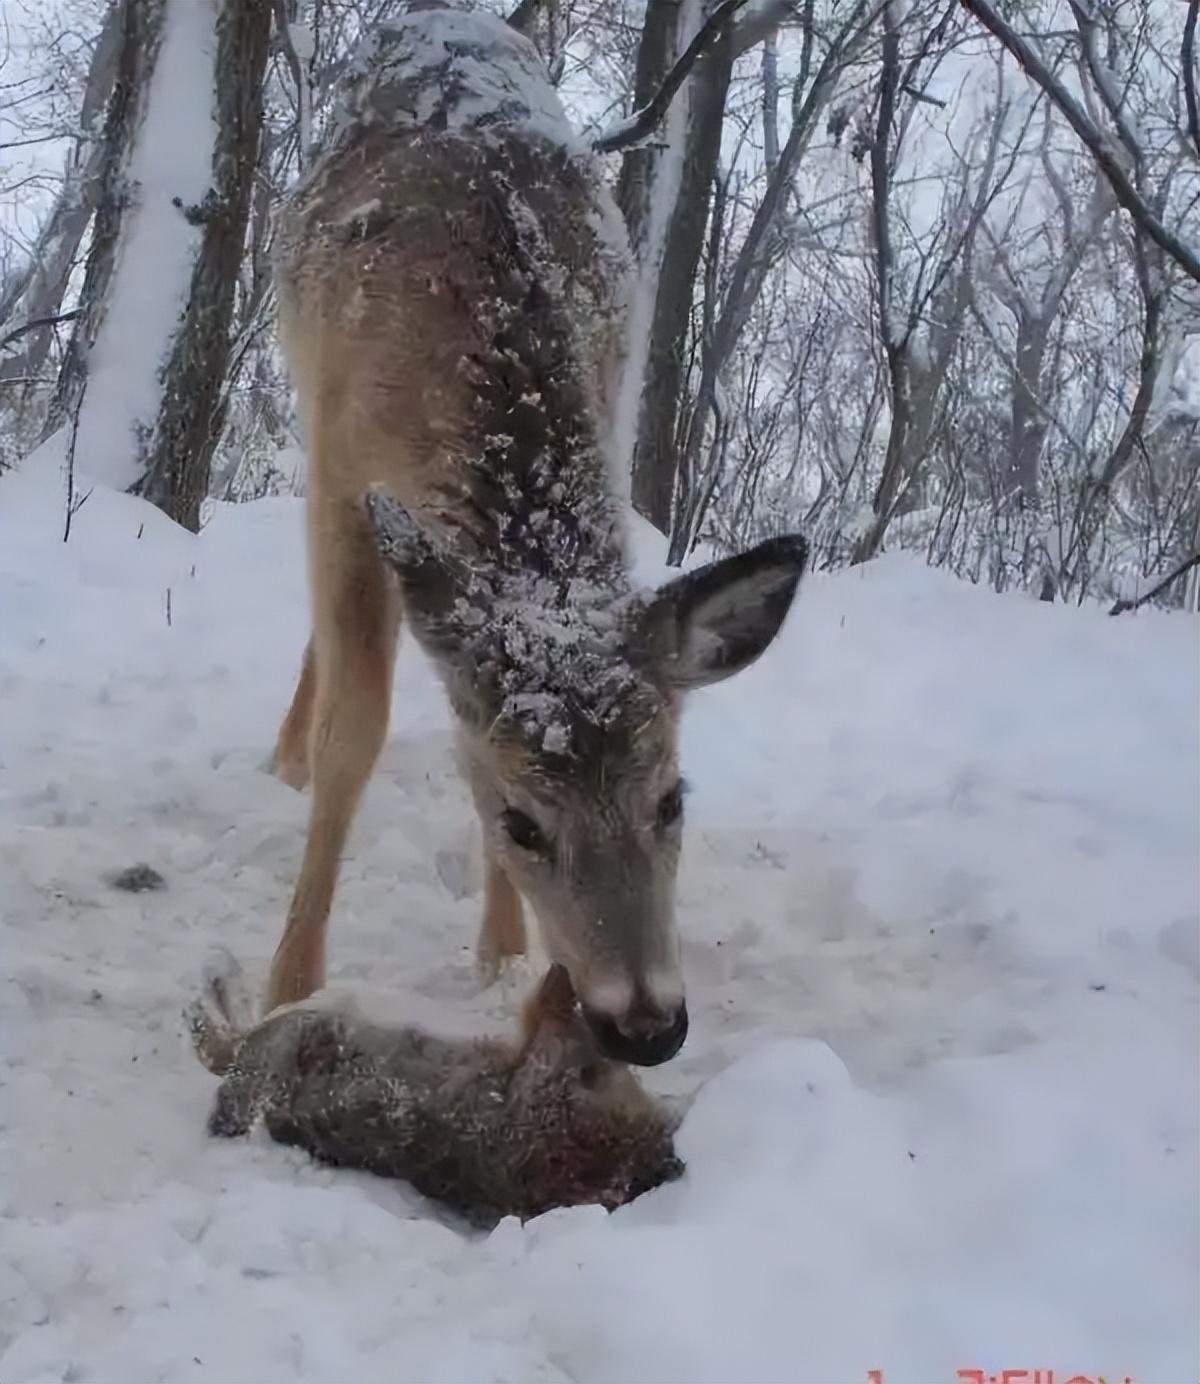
(452, 290)
(492, 1128)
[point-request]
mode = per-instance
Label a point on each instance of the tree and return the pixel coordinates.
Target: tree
(142, 387)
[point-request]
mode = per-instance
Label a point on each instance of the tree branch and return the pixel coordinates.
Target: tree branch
(18, 332)
(283, 30)
(1121, 606)
(645, 121)
(752, 28)
(1091, 136)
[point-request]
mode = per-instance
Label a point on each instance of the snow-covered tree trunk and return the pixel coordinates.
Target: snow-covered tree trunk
(143, 383)
(653, 177)
(141, 26)
(656, 449)
(178, 454)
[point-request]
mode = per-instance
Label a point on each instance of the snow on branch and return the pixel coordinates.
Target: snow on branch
(1094, 139)
(645, 121)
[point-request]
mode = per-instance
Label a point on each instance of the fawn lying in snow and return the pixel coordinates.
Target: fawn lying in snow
(492, 1128)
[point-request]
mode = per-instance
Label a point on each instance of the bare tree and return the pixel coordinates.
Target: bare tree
(140, 25)
(765, 242)
(1148, 216)
(178, 454)
(157, 436)
(34, 313)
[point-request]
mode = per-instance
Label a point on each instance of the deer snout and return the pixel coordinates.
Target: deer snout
(644, 1035)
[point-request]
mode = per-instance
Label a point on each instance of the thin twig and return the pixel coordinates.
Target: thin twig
(1091, 135)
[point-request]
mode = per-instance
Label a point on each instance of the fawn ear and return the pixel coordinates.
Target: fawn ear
(715, 621)
(551, 1006)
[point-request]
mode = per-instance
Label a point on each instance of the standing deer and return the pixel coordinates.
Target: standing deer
(451, 302)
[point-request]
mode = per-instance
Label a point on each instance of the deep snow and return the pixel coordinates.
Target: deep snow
(939, 903)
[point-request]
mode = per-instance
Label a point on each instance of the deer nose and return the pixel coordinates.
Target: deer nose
(644, 1037)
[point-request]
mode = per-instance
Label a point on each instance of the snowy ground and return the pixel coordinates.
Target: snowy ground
(940, 910)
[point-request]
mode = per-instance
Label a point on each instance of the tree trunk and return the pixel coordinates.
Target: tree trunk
(657, 50)
(140, 25)
(1028, 429)
(656, 449)
(188, 427)
(758, 252)
(649, 188)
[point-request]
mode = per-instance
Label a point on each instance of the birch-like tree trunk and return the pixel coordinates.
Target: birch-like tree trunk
(142, 388)
(655, 190)
(140, 24)
(178, 454)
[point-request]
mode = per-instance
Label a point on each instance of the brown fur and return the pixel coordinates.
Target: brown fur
(452, 310)
(391, 321)
(491, 1128)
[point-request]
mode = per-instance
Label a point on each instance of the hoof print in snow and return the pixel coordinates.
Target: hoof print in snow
(492, 1128)
(138, 879)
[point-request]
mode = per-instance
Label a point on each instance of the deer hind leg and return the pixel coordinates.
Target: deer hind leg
(290, 761)
(355, 625)
(502, 932)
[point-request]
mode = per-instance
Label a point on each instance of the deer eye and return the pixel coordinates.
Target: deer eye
(523, 831)
(670, 807)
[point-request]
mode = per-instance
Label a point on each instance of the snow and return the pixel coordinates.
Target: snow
(939, 910)
(454, 68)
(171, 170)
(304, 42)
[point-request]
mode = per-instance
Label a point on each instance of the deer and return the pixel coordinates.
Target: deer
(454, 302)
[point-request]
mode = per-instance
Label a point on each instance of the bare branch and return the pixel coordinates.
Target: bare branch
(1091, 136)
(645, 121)
(18, 332)
(283, 29)
(909, 90)
(1121, 606)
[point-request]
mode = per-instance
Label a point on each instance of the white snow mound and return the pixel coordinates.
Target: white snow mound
(939, 912)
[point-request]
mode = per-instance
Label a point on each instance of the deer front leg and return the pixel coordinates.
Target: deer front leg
(355, 624)
(502, 932)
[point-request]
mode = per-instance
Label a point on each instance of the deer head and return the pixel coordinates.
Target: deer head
(568, 700)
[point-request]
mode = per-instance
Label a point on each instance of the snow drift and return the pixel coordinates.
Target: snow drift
(939, 912)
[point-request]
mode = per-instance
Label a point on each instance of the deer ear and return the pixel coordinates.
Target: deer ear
(715, 621)
(442, 596)
(433, 581)
(551, 1004)
(404, 545)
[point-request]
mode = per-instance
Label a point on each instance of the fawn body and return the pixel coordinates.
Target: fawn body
(492, 1128)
